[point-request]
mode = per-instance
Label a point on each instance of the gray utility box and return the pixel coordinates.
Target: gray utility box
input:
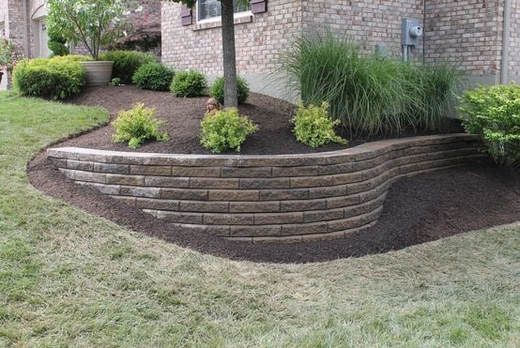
(412, 31)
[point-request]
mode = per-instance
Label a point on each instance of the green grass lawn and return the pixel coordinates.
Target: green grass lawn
(71, 279)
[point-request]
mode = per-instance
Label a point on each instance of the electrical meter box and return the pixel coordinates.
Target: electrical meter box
(412, 31)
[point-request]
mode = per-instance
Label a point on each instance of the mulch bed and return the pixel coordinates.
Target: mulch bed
(417, 210)
(182, 118)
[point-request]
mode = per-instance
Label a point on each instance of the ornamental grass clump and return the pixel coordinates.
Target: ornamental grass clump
(314, 127)
(225, 130)
(494, 113)
(137, 126)
(371, 95)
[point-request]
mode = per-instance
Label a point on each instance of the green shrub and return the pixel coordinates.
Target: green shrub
(217, 90)
(50, 78)
(136, 126)
(154, 76)
(314, 127)
(225, 130)
(126, 63)
(189, 83)
(494, 113)
(116, 81)
(371, 95)
(57, 44)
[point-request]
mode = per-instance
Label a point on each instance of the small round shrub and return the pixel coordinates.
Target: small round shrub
(116, 81)
(314, 127)
(154, 76)
(127, 62)
(136, 126)
(225, 130)
(217, 90)
(189, 83)
(55, 78)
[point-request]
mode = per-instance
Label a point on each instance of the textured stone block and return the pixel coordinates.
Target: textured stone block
(133, 180)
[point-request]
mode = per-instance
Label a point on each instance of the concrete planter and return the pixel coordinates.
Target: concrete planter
(99, 73)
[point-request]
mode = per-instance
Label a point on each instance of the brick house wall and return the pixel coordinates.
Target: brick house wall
(514, 42)
(465, 33)
(258, 41)
(366, 22)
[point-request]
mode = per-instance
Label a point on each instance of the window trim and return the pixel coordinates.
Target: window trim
(217, 19)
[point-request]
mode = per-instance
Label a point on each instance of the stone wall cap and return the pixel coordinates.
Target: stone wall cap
(371, 148)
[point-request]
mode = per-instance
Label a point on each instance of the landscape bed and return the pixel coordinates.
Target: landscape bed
(415, 210)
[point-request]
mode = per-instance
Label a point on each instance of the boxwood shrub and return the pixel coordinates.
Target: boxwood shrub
(126, 63)
(217, 90)
(494, 113)
(154, 76)
(51, 78)
(189, 83)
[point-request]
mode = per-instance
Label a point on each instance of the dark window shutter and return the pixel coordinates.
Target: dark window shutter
(186, 15)
(258, 6)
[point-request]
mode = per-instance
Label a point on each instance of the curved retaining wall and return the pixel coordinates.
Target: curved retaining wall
(262, 198)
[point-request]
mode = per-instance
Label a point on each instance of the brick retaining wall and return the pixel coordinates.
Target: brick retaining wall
(264, 198)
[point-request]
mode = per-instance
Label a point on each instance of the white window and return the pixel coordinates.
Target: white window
(210, 10)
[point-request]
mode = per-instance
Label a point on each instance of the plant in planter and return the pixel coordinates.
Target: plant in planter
(92, 24)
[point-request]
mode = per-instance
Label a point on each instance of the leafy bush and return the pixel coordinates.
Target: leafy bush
(189, 83)
(126, 63)
(136, 126)
(494, 113)
(57, 44)
(225, 130)
(94, 24)
(370, 95)
(217, 90)
(154, 76)
(314, 127)
(116, 81)
(52, 78)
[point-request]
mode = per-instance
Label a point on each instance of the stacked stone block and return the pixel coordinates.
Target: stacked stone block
(265, 198)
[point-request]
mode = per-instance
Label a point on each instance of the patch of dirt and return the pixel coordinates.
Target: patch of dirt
(182, 118)
(417, 210)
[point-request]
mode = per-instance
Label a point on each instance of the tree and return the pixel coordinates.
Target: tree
(228, 47)
(92, 23)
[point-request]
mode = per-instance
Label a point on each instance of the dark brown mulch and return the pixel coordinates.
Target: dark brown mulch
(182, 118)
(417, 210)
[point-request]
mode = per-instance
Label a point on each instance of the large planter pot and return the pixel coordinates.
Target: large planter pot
(99, 73)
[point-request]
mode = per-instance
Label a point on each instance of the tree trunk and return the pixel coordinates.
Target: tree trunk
(228, 46)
